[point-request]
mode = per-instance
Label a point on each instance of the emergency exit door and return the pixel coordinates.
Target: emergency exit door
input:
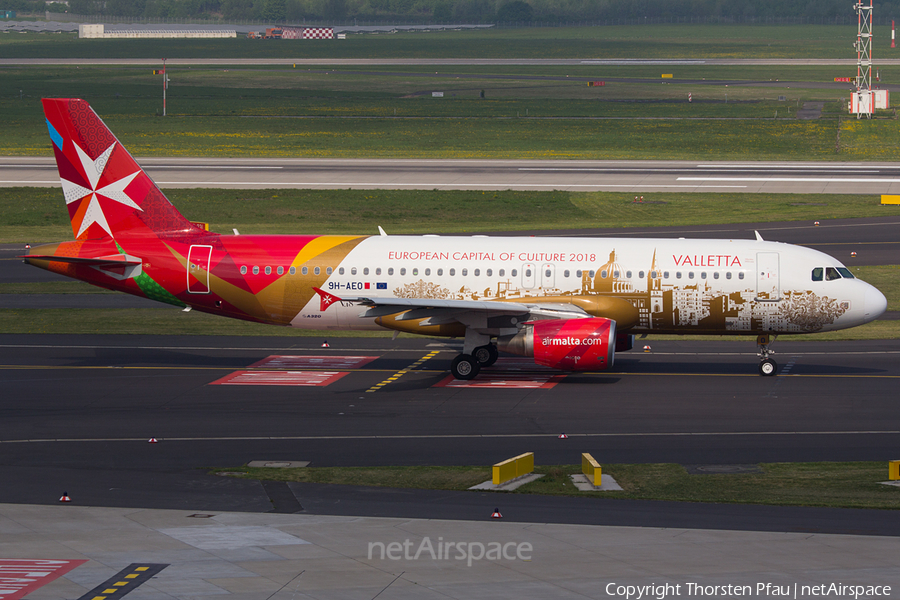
(198, 269)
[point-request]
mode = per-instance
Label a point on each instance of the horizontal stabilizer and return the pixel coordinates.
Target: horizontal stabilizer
(100, 261)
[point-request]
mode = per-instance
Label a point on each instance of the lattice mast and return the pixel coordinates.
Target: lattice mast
(864, 47)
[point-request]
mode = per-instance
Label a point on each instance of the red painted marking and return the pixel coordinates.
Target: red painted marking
(21, 576)
(518, 364)
(500, 380)
(306, 362)
(294, 378)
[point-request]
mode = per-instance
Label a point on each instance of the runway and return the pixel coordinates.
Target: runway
(621, 176)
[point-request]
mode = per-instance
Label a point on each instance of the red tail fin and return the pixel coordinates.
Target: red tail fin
(107, 193)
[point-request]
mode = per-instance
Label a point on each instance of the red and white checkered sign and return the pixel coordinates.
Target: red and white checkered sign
(318, 33)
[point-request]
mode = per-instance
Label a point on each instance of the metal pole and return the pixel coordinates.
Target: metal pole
(165, 79)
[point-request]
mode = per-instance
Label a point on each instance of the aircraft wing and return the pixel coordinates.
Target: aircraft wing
(481, 315)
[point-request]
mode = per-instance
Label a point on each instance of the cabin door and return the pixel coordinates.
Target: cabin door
(198, 269)
(768, 286)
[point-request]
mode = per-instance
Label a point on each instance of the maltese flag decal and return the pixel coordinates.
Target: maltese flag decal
(325, 299)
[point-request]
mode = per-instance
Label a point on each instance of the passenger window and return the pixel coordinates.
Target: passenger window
(547, 273)
(452, 272)
(403, 271)
(527, 273)
(477, 272)
(577, 273)
(427, 272)
(831, 274)
(256, 270)
(304, 270)
(341, 271)
(378, 270)
(741, 275)
(317, 270)
(665, 274)
(703, 275)
(366, 271)
(514, 272)
(268, 270)
(280, 270)
(243, 270)
(628, 275)
(440, 272)
(352, 271)
(502, 272)
(592, 273)
(465, 272)
(653, 274)
(716, 275)
(691, 275)
(616, 274)
(328, 270)
(390, 270)
(845, 273)
(415, 271)
(489, 273)
(603, 274)
(565, 273)
(728, 275)
(677, 274)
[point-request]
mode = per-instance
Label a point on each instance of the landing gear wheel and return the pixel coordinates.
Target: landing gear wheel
(465, 367)
(486, 355)
(768, 367)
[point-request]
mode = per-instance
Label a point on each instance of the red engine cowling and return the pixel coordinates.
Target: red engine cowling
(571, 345)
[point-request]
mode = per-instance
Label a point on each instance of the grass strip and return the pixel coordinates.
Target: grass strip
(613, 41)
(831, 484)
(30, 215)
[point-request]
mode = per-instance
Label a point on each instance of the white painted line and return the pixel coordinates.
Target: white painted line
(829, 166)
(454, 436)
(652, 170)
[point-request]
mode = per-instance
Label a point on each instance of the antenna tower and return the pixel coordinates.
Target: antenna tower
(864, 55)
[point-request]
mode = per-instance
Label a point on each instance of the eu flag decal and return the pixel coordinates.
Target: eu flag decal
(381, 286)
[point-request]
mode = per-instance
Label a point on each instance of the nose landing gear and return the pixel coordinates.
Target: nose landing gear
(767, 366)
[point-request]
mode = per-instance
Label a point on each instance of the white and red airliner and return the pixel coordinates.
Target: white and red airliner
(570, 303)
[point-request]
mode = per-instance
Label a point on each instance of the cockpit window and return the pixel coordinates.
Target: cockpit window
(817, 274)
(845, 272)
(831, 274)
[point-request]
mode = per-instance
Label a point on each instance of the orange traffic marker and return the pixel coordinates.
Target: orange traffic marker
(152, 441)
(816, 223)
(853, 254)
(563, 436)
(646, 348)
(325, 344)
(65, 497)
(496, 514)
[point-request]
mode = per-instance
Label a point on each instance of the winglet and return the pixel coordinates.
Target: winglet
(325, 299)
(759, 238)
(381, 231)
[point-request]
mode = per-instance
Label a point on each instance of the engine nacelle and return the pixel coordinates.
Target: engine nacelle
(570, 345)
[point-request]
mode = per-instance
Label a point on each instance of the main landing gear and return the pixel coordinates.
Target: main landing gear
(467, 366)
(767, 366)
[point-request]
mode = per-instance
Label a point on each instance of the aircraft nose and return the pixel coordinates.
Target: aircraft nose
(875, 303)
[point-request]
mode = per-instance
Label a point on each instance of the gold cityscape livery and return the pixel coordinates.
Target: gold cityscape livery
(513, 289)
(570, 303)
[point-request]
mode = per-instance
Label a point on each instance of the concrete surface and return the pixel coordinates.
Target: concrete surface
(292, 557)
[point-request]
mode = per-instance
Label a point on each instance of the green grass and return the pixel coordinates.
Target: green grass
(38, 214)
(52, 287)
(846, 485)
(659, 41)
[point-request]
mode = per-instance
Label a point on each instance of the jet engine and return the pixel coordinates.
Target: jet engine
(570, 345)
